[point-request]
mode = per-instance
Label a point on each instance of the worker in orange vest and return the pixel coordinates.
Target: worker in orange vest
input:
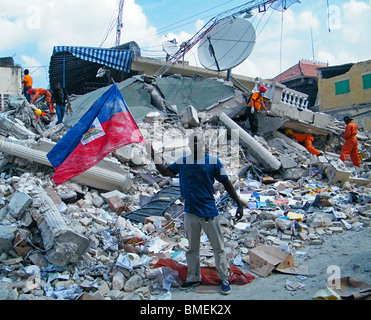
(255, 103)
(350, 146)
(27, 84)
(305, 138)
(42, 92)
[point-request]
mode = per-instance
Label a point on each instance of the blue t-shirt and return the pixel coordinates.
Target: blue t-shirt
(197, 179)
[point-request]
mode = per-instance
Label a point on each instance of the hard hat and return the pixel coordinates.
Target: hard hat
(347, 119)
(288, 132)
(263, 89)
(30, 91)
(38, 112)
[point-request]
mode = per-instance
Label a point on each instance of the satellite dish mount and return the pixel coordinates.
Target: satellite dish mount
(227, 45)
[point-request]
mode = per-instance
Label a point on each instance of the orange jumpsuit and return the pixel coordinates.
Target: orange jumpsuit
(48, 97)
(307, 139)
(37, 116)
(350, 146)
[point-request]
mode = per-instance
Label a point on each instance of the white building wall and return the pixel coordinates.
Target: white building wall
(10, 82)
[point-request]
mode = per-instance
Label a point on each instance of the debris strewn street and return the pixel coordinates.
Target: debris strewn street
(116, 231)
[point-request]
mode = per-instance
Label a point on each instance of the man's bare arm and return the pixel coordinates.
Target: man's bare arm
(162, 168)
(233, 194)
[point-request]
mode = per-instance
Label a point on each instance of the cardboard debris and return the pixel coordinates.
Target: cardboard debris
(346, 288)
(350, 288)
(264, 259)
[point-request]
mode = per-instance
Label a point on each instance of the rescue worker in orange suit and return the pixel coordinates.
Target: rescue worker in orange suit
(350, 146)
(306, 139)
(39, 114)
(27, 84)
(42, 92)
(256, 102)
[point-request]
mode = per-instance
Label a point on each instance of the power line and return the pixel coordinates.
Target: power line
(179, 25)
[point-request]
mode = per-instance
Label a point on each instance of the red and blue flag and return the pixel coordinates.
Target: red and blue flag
(105, 127)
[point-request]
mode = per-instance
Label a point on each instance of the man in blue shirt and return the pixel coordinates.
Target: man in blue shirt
(197, 174)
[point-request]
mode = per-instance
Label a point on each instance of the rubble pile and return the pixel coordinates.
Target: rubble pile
(77, 241)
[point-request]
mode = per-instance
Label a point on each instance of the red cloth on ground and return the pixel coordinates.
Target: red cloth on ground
(208, 274)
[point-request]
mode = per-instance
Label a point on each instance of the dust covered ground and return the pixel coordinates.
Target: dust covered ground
(349, 252)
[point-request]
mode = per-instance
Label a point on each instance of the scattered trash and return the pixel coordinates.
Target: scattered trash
(118, 232)
(344, 289)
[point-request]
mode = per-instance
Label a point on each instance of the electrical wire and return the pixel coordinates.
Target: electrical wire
(111, 25)
(179, 25)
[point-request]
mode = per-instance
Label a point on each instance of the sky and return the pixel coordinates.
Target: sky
(333, 32)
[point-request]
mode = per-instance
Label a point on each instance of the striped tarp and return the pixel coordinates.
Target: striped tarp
(117, 59)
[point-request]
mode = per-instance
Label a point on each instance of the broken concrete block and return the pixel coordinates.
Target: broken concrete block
(118, 281)
(82, 203)
(7, 237)
(19, 203)
(287, 162)
(189, 117)
(113, 193)
(336, 172)
(85, 221)
(133, 283)
(283, 224)
(153, 117)
(53, 195)
(321, 120)
(336, 229)
(97, 200)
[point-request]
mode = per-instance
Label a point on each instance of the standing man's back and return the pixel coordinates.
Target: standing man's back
(27, 84)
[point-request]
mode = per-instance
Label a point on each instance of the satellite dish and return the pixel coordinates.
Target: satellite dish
(170, 47)
(227, 45)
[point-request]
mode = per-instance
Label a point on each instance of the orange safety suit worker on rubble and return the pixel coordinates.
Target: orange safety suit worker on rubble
(39, 114)
(256, 102)
(350, 146)
(305, 138)
(42, 92)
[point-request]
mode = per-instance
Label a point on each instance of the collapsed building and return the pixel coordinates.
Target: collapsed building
(102, 234)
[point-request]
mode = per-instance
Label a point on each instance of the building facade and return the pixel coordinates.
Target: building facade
(302, 77)
(345, 90)
(10, 80)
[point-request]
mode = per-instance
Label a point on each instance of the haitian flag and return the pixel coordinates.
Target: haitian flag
(105, 127)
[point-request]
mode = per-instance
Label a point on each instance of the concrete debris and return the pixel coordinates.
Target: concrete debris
(77, 240)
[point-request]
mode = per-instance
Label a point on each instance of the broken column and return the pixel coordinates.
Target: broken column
(9, 127)
(63, 245)
(256, 149)
(95, 177)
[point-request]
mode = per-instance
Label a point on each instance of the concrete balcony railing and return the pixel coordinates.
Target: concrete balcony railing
(293, 105)
(294, 98)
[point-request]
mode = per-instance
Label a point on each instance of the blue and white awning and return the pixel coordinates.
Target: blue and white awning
(116, 59)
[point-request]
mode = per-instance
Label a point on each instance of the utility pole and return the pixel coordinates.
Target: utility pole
(119, 22)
